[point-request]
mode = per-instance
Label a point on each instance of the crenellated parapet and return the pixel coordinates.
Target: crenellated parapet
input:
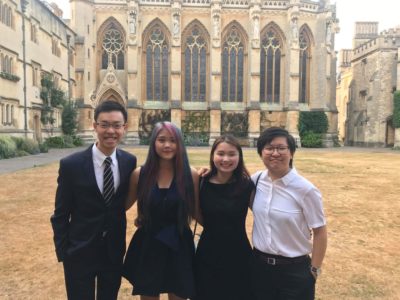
(387, 39)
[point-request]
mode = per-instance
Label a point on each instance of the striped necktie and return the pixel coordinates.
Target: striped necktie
(108, 181)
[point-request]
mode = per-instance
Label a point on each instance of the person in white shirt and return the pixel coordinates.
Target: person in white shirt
(289, 224)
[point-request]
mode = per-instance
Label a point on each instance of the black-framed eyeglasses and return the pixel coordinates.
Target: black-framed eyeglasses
(279, 149)
(105, 125)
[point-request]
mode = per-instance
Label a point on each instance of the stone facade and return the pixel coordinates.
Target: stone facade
(242, 66)
(46, 52)
(368, 78)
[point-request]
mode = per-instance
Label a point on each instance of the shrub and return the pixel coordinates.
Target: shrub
(7, 147)
(55, 142)
(396, 109)
(28, 146)
(20, 153)
(312, 121)
(311, 140)
(195, 139)
(77, 141)
(68, 141)
(44, 148)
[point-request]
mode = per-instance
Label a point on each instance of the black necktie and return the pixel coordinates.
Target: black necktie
(108, 181)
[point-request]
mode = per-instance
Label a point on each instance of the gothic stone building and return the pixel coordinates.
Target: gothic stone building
(209, 66)
(48, 40)
(367, 79)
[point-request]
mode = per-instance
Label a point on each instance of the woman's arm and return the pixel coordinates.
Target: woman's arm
(197, 211)
(320, 242)
(132, 192)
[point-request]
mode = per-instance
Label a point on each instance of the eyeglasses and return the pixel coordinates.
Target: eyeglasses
(279, 149)
(105, 125)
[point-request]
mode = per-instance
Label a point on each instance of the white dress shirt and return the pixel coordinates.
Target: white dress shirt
(284, 211)
(98, 163)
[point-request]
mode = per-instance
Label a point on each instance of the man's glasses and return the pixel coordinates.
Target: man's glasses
(105, 125)
(279, 149)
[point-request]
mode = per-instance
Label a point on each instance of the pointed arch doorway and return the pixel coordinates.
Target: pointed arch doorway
(111, 95)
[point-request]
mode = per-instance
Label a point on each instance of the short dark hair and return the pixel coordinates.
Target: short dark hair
(108, 106)
(269, 134)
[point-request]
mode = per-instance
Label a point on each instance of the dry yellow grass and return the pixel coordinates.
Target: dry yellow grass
(361, 197)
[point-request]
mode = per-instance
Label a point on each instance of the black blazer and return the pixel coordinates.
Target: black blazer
(81, 216)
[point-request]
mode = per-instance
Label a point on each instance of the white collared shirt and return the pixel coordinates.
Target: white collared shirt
(98, 163)
(284, 211)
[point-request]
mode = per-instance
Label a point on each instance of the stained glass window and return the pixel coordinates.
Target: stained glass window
(195, 60)
(157, 65)
(232, 66)
(270, 69)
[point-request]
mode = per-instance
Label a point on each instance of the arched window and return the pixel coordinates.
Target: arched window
(157, 64)
(7, 114)
(232, 65)
(2, 69)
(10, 19)
(10, 66)
(12, 115)
(2, 109)
(195, 64)
(6, 63)
(3, 13)
(270, 66)
(8, 16)
(304, 67)
(113, 48)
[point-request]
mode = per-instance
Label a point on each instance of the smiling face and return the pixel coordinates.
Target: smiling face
(166, 145)
(276, 157)
(226, 158)
(110, 129)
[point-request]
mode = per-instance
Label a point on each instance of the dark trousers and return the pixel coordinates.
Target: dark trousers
(292, 281)
(87, 271)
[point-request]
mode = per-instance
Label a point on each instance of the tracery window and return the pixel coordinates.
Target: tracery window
(304, 67)
(157, 65)
(113, 49)
(195, 65)
(232, 66)
(270, 68)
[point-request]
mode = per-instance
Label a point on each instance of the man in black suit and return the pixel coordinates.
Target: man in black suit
(89, 220)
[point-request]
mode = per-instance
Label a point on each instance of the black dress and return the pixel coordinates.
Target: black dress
(160, 259)
(223, 255)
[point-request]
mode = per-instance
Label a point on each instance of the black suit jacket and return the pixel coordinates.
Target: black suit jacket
(81, 216)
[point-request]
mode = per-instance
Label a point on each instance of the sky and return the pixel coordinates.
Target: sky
(386, 12)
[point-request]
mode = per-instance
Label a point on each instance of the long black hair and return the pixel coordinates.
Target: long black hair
(182, 172)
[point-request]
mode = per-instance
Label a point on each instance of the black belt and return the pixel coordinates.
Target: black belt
(272, 259)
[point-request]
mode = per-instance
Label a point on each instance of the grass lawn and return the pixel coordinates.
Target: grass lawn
(361, 198)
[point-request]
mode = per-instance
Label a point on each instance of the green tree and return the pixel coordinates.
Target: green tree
(52, 97)
(69, 115)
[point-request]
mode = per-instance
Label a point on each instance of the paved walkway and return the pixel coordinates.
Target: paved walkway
(31, 161)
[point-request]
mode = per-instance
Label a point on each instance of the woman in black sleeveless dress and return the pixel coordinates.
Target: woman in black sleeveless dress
(160, 256)
(223, 255)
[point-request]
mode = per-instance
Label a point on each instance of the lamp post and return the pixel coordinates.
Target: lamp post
(24, 3)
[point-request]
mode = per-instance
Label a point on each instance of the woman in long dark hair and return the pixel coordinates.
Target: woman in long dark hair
(223, 255)
(160, 256)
